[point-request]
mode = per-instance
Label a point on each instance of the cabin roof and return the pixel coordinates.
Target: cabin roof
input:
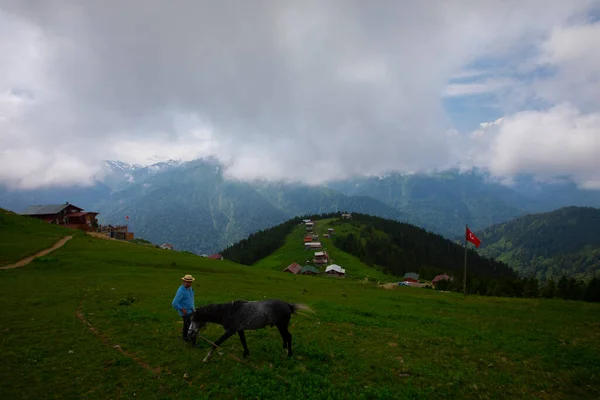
(336, 268)
(46, 209)
(293, 267)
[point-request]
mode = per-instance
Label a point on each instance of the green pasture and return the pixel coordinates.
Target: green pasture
(22, 237)
(363, 341)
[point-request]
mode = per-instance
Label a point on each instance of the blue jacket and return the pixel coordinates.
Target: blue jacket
(184, 298)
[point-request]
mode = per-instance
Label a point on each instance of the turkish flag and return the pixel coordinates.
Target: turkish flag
(472, 238)
(127, 216)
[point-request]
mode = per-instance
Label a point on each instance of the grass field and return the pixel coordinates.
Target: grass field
(363, 341)
(25, 236)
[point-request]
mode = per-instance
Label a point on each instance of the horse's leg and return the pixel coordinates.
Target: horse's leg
(287, 338)
(226, 335)
(242, 336)
(283, 336)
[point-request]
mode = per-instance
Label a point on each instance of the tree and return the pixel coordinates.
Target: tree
(549, 290)
(592, 291)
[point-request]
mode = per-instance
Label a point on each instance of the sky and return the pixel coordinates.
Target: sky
(300, 91)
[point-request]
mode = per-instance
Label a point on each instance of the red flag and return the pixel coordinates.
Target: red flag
(127, 216)
(472, 238)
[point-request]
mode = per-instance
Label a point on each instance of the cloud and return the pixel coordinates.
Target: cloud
(561, 138)
(548, 143)
(281, 90)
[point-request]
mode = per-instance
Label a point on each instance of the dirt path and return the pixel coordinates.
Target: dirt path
(27, 260)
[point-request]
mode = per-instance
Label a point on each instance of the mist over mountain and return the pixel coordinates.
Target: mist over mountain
(192, 205)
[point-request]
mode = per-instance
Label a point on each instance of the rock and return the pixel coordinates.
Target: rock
(186, 375)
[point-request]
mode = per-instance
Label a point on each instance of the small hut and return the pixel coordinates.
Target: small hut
(442, 277)
(293, 268)
(309, 270)
(335, 270)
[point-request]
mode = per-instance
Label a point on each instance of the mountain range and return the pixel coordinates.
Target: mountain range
(194, 207)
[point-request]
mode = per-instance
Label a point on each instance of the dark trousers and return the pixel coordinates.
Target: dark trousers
(187, 320)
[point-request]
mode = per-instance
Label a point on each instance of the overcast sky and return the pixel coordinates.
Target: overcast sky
(310, 91)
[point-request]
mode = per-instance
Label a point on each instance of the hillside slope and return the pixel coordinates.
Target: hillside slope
(375, 246)
(564, 241)
(293, 250)
(21, 237)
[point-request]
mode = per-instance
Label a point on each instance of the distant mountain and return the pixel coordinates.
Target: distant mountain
(444, 202)
(191, 204)
(193, 207)
(545, 245)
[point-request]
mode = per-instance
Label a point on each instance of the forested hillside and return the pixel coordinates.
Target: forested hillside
(548, 245)
(399, 248)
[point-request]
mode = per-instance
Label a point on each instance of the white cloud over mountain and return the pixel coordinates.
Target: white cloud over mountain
(304, 91)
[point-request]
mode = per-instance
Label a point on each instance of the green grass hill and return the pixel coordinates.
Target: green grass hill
(93, 320)
(376, 248)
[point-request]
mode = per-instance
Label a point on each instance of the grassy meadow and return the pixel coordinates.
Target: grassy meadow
(363, 342)
(23, 237)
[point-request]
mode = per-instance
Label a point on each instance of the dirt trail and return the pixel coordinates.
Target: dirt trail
(27, 260)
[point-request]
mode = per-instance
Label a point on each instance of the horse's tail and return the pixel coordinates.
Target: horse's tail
(296, 307)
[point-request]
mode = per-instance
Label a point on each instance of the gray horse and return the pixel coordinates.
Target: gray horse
(240, 315)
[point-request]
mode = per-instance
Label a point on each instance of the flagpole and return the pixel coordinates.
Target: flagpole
(465, 273)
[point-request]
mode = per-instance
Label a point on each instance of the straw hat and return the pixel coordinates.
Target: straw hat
(188, 278)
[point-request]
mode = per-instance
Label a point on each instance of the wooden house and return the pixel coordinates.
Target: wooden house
(330, 231)
(411, 277)
(313, 245)
(66, 214)
(441, 277)
(293, 268)
(321, 258)
(215, 257)
(346, 216)
(119, 232)
(167, 246)
(308, 239)
(309, 270)
(335, 270)
(309, 226)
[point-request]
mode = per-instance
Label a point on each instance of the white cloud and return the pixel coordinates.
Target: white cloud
(557, 141)
(309, 91)
(562, 138)
(573, 52)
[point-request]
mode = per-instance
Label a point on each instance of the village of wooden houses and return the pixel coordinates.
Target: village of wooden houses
(322, 259)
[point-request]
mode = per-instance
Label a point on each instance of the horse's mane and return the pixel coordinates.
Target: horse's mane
(221, 309)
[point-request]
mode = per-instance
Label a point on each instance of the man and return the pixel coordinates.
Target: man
(184, 304)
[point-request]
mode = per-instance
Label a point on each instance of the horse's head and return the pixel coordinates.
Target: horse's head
(197, 324)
